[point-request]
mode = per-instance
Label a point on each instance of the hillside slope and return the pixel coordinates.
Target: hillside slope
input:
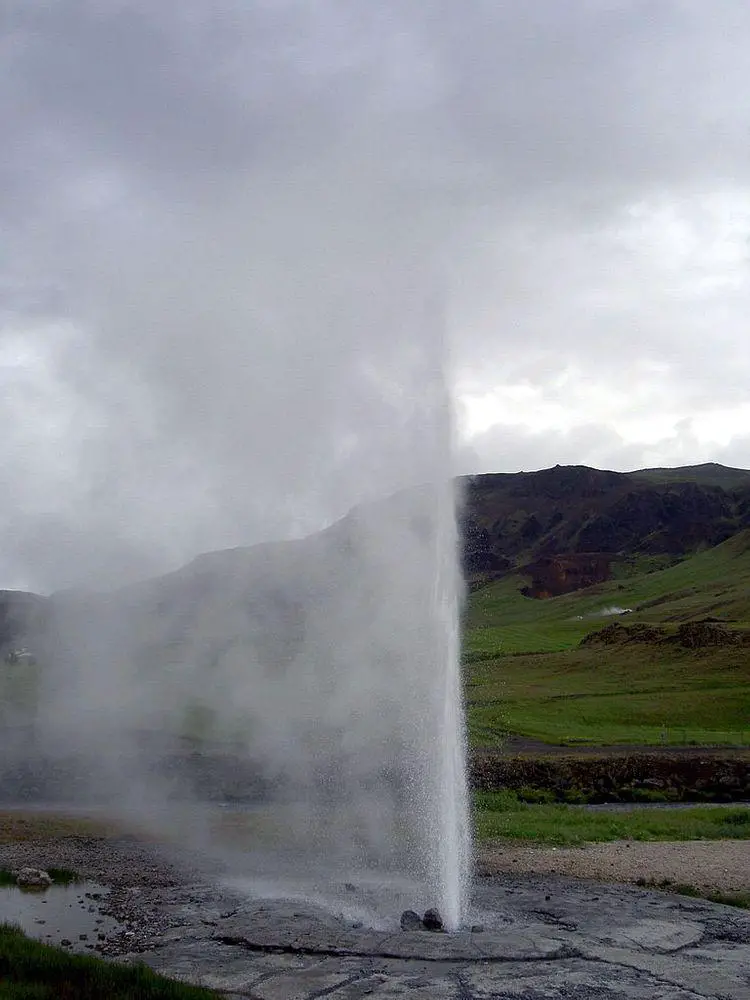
(569, 527)
(162, 649)
(549, 532)
(537, 669)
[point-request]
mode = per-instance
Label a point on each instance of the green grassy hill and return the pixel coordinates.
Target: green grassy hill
(527, 673)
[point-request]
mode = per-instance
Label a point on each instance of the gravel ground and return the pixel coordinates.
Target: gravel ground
(709, 865)
(138, 872)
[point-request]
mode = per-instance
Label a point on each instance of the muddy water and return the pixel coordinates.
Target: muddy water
(60, 914)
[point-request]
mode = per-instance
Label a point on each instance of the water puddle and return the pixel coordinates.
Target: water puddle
(61, 913)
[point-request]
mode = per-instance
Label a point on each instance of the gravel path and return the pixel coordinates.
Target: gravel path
(709, 865)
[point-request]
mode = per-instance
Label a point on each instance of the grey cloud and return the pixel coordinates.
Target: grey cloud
(513, 447)
(245, 214)
(507, 446)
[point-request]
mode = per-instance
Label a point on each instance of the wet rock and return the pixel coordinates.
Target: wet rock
(477, 928)
(432, 920)
(411, 921)
(33, 878)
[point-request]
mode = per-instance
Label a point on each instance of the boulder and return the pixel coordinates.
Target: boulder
(33, 878)
(432, 920)
(411, 921)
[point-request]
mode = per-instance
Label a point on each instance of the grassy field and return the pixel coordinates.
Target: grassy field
(527, 673)
(33, 971)
(15, 826)
(500, 815)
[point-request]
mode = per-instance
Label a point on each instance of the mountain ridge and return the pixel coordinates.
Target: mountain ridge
(565, 528)
(592, 518)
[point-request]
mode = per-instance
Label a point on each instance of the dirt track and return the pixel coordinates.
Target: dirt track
(710, 865)
(527, 746)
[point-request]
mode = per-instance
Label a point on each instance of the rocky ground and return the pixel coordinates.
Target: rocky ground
(136, 872)
(544, 936)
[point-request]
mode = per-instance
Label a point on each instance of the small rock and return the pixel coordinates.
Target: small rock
(432, 920)
(357, 925)
(477, 928)
(66, 943)
(411, 921)
(83, 937)
(33, 878)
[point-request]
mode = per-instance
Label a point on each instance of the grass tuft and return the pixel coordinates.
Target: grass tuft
(30, 970)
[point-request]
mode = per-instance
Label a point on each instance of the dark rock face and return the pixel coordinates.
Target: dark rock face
(554, 575)
(561, 525)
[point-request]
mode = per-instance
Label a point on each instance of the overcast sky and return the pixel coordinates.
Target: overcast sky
(232, 235)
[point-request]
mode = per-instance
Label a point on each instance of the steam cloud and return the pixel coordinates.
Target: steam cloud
(223, 231)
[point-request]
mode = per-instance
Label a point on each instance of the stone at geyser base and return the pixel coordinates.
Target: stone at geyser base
(411, 921)
(432, 920)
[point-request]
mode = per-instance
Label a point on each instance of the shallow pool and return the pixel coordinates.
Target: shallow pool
(60, 914)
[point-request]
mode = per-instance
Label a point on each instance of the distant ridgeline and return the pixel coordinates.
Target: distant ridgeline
(571, 526)
(560, 529)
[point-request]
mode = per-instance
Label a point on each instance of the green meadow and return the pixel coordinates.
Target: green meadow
(527, 674)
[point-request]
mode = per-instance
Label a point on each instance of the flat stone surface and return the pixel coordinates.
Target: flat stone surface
(545, 939)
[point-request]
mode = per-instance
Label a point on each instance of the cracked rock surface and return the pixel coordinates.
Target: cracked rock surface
(543, 937)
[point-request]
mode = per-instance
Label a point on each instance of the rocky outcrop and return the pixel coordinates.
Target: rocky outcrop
(690, 635)
(619, 634)
(555, 575)
(695, 635)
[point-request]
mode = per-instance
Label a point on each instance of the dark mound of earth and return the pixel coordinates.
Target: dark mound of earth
(689, 635)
